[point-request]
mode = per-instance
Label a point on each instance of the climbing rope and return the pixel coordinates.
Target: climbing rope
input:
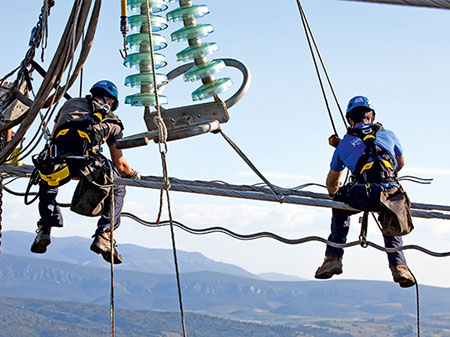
(310, 37)
(2, 141)
(417, 303)
(162, 142)
(112, 224)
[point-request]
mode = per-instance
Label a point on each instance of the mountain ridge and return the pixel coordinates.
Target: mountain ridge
(209, 292)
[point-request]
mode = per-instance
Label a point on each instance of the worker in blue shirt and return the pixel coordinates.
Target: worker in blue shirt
(360, 114)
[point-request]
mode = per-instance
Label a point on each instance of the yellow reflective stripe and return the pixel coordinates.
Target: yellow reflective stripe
(84, 135)
(368, 136)
(387, 164)
(98, 115)
(54, 178)
(62, 132)
(368, 166)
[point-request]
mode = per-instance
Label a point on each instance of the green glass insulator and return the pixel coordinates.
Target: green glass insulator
(197, 11)
(191, 53)
(137, 80)
(197, 73)
(156, 5)
(145, 99)
(137, 21)
(139, 60)
(135, 40)
(192, 32)
(210, 89)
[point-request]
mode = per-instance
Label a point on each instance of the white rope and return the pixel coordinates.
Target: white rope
(445, 4)
(162, 129)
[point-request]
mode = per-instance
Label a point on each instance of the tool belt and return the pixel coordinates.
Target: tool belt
(392, 204)
(94, 172)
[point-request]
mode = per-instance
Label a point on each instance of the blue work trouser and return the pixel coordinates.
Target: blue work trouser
(51, 214)
(340, 225)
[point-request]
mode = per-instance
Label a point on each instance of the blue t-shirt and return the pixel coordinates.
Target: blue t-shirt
(351, 148)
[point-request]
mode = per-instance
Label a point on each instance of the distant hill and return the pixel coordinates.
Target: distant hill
(280, 277)
(36, 318)
(76, 250)
(29, 318)
(218, 294)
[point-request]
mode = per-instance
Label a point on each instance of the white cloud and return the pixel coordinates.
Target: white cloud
(425, 172)
(242, 216)
(436, 228)
(281, 176)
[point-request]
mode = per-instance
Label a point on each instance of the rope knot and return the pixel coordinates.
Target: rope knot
(162, 131)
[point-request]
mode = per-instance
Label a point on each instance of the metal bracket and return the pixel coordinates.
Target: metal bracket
(192, 120)
(19, 103)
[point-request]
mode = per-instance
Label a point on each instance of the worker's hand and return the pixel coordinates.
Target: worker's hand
(334, 140)
(136, 175)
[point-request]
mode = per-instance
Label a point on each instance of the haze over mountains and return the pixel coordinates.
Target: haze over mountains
(223, 290)
(158, 261)
(324, 308)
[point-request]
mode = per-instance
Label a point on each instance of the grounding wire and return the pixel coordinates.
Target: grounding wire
(278, 195)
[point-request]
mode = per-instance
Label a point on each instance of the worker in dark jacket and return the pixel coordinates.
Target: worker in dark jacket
(108, 130)
(360, 113)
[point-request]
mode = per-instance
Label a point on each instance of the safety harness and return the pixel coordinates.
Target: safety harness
(375, 164)
(72, 147)
(366, 191)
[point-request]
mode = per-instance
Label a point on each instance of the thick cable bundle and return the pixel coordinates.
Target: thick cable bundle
(421, 3)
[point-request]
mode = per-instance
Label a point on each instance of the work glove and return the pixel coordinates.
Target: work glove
(136, 175)
(334, 140)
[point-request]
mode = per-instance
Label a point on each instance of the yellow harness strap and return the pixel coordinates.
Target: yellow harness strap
(55, 178)
(369, 165)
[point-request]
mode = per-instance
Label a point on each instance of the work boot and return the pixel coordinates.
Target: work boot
(402, 276)
(102, 245)
(331, 266)
(42, 239)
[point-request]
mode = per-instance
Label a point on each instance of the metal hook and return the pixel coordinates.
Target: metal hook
(124, 52)
(124, 28)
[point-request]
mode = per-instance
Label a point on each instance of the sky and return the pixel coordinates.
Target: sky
(395, 55)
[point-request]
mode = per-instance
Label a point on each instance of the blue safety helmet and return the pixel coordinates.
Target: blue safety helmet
(358, 101)
(110, 88)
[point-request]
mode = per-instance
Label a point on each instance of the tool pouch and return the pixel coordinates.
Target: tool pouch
(92, 191)
(395, 215)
